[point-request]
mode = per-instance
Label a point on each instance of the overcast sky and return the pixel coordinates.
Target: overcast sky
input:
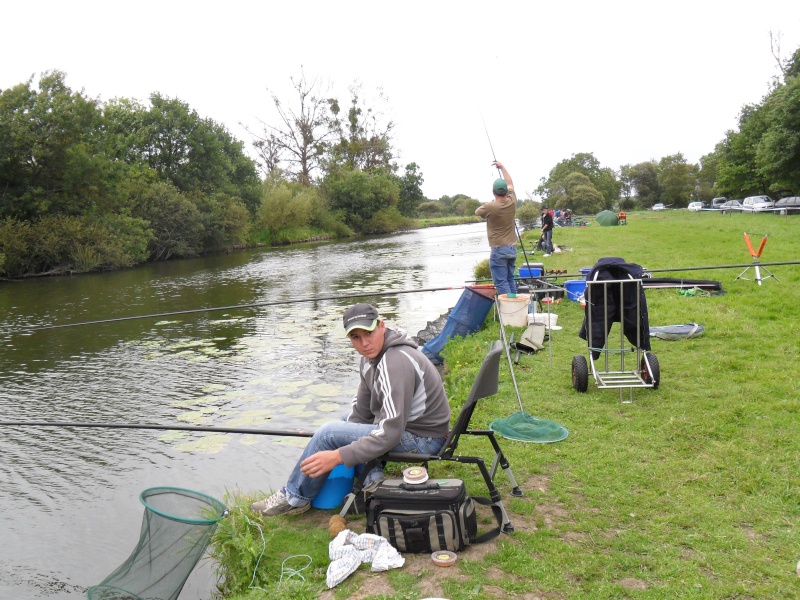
(626, 81)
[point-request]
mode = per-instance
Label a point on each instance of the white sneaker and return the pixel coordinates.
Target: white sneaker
(278, 504)
(545, 255)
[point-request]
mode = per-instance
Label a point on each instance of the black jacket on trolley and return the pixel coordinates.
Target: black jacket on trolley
(614, 308)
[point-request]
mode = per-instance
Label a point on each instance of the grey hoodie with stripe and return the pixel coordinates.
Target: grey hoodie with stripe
(400, 390)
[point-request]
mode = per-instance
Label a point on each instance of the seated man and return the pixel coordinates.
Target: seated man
(400, 406)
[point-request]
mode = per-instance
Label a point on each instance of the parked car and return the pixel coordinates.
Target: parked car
(788, 206)
(758, 204)
(659, 206)
(696, 206)
(731, 206)
(718, 202)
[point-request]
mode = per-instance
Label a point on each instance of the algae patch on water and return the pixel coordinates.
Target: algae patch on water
(324, 389)
(207, 445)
(251, 417)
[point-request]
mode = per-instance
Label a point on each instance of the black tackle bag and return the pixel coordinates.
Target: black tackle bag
(437, 514)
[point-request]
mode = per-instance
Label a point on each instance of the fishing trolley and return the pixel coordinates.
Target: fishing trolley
(614, 293)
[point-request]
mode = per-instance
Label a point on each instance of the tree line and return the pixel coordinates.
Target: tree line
(87, 185)
(761, 157)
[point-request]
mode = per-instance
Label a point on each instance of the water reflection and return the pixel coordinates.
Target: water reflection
(71, 494)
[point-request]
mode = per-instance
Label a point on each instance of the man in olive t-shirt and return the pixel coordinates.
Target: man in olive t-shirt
(501, 228)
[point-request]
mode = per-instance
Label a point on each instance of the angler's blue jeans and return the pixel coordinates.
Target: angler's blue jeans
(502, 263)
(302, 488)
(548, 241)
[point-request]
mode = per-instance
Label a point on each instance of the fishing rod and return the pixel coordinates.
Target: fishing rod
(283, 432)
(499, 172)
(760, 264)
(239, 306)
(678, 269)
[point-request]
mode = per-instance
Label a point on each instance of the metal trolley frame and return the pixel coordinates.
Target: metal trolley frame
(624, 366)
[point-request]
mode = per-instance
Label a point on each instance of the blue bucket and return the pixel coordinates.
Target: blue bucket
(575, 289)
(335, 488)
(526, 272)
(585, 271)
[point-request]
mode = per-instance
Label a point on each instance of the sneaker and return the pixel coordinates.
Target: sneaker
(545, 255)
(278, 504)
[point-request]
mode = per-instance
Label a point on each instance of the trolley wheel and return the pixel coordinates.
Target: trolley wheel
(653, 373)
(580, 373)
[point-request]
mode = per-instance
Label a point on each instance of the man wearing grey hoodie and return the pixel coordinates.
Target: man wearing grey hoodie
(400, 406)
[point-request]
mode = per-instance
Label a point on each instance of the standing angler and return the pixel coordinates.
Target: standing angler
(501, 227)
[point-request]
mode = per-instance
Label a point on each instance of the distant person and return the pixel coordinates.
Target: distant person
(400, 406)
(547, 231)
(501, 228)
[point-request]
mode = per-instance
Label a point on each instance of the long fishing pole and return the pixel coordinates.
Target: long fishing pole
(676, 270)
(486, 129)
(252, 431)
(521, 245)
(239, 306)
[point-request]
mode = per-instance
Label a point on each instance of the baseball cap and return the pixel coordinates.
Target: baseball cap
(360, 316)
(500, 187)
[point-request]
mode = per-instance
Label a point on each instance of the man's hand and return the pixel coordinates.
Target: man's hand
(498, 164)
(320, 463)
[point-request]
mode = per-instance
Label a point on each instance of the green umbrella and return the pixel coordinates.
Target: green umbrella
(607, 218)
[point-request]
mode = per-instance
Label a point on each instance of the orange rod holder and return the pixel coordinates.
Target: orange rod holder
(756, 255)
(753, 253)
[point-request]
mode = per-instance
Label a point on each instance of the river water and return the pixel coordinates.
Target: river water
(70, 496)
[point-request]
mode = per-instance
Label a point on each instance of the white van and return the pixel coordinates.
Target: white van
(758, 204)
(695, 206)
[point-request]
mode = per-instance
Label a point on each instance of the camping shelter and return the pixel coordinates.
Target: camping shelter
(607, 218)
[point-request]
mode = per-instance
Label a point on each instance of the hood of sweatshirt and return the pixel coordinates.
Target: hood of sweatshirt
(392, 338)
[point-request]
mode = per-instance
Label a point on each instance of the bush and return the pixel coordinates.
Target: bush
(360, 196)
(175, 223)
(386, 221)
(482, 270)
(61, 244)
(528, 212)
(430, 209)
(284, 206)
(226, 221)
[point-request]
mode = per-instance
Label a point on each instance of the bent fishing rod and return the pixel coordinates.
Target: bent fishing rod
(364, 294)
(499, 172)
(196, 428)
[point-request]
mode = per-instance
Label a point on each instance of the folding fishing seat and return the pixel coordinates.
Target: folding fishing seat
(485, 385)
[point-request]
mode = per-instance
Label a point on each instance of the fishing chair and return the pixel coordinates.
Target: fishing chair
(485, 385)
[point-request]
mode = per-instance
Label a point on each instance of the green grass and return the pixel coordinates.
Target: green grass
(690, 491)
(440, 221)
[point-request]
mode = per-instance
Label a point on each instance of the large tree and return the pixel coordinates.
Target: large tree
(676, 180)
(738, 173)
(303, 135)
(778, 151)
(195, 154)
(603, 179)
(52, 159)
(411, 195)
(644, 179)
(363, 135)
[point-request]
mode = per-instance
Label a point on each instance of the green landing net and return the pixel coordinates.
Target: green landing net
(524, 427)
(176, 529)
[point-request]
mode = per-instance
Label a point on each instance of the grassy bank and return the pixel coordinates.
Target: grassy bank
(690, 491)
(440, 221)
(297, 235)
